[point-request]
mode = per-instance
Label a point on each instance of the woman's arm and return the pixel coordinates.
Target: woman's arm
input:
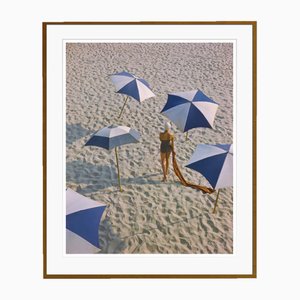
(172, 142)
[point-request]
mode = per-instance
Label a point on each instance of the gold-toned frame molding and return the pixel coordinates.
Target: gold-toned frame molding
(254, 154)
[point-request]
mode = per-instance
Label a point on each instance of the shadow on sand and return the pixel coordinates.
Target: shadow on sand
(75, 132)
(109, 241)
(99, 177)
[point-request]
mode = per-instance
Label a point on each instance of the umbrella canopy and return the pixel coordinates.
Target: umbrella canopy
(113, 136)
(83, 216)
(190, 109)
(132, 86)
(215, 163)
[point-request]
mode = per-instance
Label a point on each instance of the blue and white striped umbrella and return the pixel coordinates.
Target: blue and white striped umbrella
(132, 86)
(190, 109)
(83, 217)
(215, 163)
(112, 137)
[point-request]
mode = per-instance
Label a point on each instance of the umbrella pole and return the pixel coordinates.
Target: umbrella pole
(117, 160)
(214, 210)
(186, 135)
(123, 107)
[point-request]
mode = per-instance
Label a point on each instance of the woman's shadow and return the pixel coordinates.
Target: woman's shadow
(100, 177)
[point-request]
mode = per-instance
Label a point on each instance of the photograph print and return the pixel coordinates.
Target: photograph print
(149, 147)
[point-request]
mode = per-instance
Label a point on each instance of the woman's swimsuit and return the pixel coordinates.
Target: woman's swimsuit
(165, 146)
(166, 142)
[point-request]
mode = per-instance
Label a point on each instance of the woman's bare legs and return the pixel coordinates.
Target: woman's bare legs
(167, 162)
(163, 158)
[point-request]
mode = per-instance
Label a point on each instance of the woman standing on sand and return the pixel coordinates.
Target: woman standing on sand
(166, 146)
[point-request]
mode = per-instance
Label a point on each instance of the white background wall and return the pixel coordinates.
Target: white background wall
(21, 149)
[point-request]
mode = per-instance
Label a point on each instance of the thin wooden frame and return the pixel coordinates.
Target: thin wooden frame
(254, 154)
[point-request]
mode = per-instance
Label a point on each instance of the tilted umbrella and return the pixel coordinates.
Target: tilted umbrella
(132, 86)
(83, 216)
(190, 109)
(215, 163)
(112, 137)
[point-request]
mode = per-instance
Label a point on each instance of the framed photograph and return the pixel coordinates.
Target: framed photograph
(149, 149)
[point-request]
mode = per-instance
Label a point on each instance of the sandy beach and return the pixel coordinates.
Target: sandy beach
(149, 216)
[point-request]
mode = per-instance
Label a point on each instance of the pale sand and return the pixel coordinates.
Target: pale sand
(149, 216)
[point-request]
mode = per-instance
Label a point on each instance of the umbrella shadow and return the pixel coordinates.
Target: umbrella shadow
(75, 132)
(94, 176)
(144, 179)
(99, 177)
(110, 242)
